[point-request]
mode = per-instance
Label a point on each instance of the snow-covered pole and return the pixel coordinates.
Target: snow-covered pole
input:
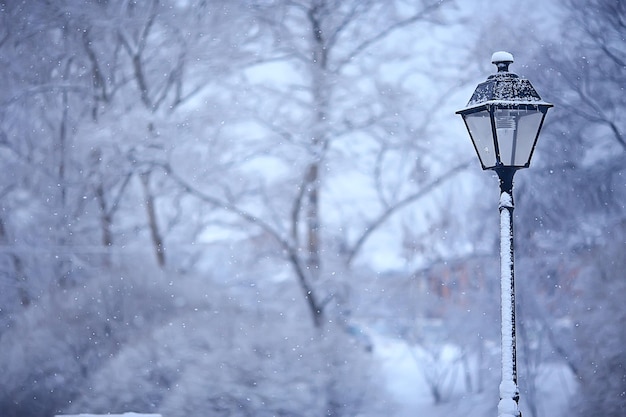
(509, 391)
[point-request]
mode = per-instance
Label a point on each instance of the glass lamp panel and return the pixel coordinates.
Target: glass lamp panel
(516, 131)
(506, 131)
(479, 127)
(527, 131)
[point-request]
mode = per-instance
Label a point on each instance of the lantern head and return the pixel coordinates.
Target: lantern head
(504, 117)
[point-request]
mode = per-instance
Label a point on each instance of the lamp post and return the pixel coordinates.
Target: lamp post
(503, 118)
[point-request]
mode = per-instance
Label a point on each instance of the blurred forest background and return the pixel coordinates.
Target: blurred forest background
(219, 207)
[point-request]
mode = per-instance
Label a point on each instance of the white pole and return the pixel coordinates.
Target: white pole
(509, 391)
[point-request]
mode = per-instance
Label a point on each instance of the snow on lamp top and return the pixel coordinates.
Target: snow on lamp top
(502, 60)
(504, 86)
(501, 56)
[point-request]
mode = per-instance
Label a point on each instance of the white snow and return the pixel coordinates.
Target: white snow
(506, 103)
(110, 415)
(508, 386)
(502, 56)
(403, 368)
(404, 378)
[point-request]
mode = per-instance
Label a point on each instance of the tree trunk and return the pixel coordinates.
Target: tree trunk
(18, 269)
(155, 234)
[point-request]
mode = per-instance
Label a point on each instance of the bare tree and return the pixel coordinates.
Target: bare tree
(323, 42)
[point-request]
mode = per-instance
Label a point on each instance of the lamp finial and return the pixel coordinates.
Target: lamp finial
(502, 60)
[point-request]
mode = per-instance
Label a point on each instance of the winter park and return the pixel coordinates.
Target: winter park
(312, 208)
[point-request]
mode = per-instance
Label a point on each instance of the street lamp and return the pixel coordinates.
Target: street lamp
(503, 118)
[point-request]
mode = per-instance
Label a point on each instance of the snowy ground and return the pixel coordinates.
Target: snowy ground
(411, 370)
(408, 369)
(130, 414)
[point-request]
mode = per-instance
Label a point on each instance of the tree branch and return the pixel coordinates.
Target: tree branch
(224, 205)
(363, 46)
(385, 215)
